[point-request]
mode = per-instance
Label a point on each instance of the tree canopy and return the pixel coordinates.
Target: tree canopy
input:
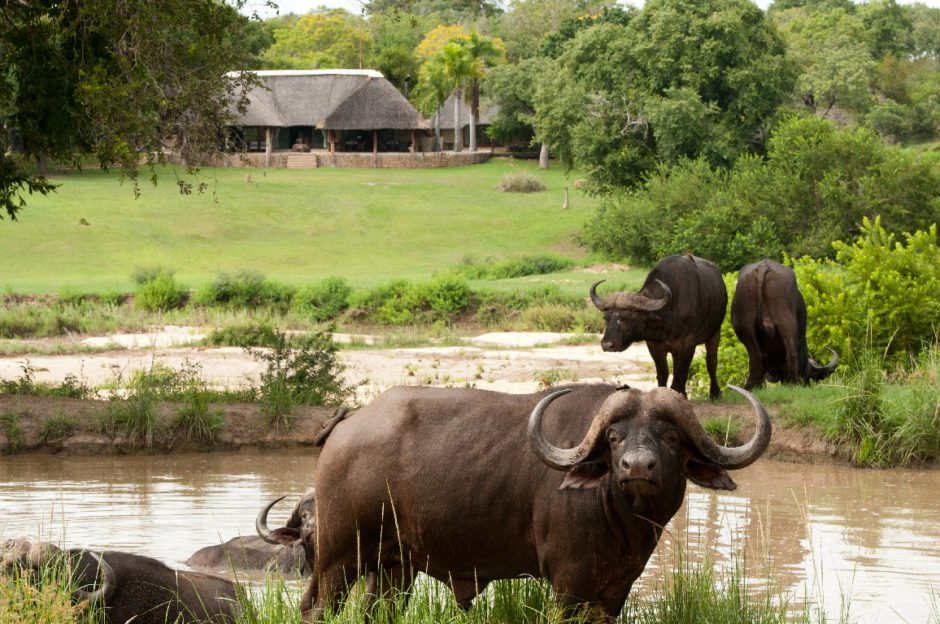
(683, 78)
(113, 79)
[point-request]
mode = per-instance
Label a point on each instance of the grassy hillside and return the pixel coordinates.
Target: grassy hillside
(367, 226)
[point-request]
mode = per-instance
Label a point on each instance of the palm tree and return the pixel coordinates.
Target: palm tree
(460, 69)
(481, 50)
(431, 92)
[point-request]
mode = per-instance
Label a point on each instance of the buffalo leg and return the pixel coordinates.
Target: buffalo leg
(659, 352)
(325, 592)
(466, 590)
(711, 363)
(393, 582)
(681, 362)
(755, 366)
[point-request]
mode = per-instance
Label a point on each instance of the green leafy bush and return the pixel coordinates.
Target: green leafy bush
(160, 294)
(245, 289)
(323, 301)
(815, 186)
(520, 183)
(251, 334)
(300, 371)
(402, 302)
(512, 268)
(892, 418)
(878, 293)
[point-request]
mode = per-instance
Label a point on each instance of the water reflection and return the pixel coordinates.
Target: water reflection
(870, 537)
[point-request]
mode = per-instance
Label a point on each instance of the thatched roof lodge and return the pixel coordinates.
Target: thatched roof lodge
(339, 110)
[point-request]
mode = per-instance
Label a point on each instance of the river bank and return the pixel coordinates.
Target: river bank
(52, 425)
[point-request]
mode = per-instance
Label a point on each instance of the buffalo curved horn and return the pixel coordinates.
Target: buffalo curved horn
(828, 368)
(728, 457)
(107, 582)
(563, 459)
(651, 305)
(595, 298)
(261, 522)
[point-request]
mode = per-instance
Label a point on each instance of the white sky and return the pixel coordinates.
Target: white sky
(305, 6)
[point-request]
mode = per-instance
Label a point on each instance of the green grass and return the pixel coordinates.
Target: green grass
(295, 226)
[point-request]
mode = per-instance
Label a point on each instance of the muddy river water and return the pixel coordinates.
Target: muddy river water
(836, 535)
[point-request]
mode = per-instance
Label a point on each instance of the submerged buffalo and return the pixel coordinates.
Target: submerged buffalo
(250, 554)
(681, 305)
(131, 588)
(469, 486)
(768, 315)
(280, 549)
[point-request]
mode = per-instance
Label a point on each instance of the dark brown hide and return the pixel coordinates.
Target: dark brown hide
(768, 315)
(141, 589)
(681, 305)
(445, 481)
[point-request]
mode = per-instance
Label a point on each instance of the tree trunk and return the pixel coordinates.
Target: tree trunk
(474, 113)
(543, 156)
(458, 131)
(268, 147)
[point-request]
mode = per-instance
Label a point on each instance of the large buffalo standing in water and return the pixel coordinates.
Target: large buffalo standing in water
(768, 315)
(681, 305)
(469, 487)
(131, 588)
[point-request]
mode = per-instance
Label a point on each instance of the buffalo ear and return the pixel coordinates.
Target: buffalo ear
(585, 476)
(709, 475)
(285, 535)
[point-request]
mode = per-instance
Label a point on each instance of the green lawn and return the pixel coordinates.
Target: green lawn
(295, 226)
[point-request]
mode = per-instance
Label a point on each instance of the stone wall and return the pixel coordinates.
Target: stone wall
(396, 160)
(353, 160)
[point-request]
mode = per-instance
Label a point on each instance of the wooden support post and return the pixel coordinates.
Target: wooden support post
(268, 145)
(414, 141)
(332, 139)
(375, 142)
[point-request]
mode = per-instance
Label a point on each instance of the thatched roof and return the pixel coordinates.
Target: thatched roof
(377, 104)
(488, 111)
(338, 99)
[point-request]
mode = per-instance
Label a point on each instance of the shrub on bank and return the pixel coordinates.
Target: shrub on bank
(402, 302)
(880, 293)
(245, 289)
(160, 294)
(323, 301)
(513, 267)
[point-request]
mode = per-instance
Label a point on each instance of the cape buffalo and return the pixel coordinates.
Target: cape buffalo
(681, 305)
(280, 549)
(251, 554)
(131, 588)
(769, 317)
(464, 485)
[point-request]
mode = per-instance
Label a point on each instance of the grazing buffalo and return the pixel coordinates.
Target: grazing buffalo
(681, 305)
(468, 486)
(769, 316)
(131, 588)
